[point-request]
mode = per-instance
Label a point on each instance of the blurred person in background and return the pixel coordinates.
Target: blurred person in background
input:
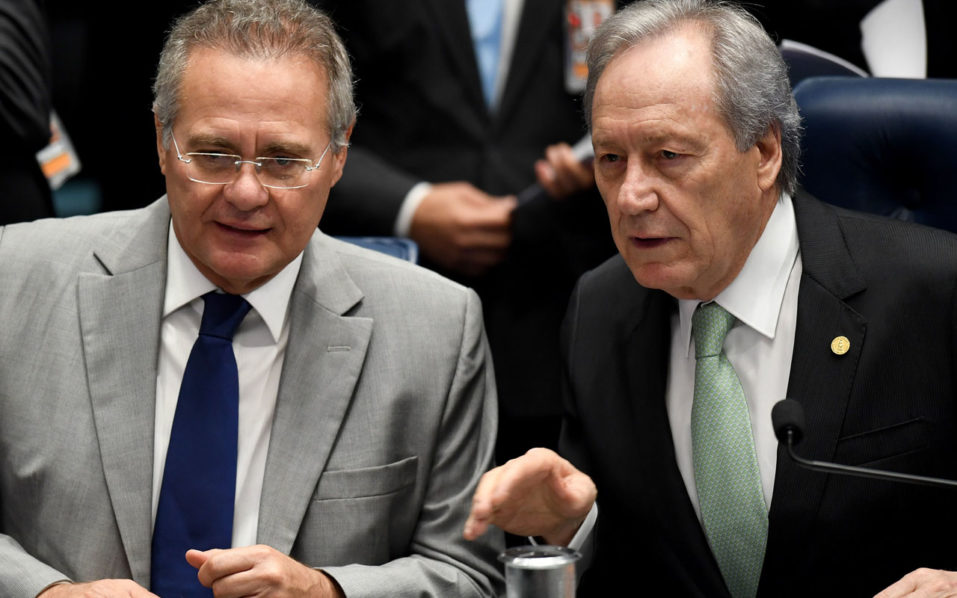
(463, 105)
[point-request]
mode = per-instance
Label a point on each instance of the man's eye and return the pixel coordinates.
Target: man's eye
(214, 161)
(282, 167)
(669, 155)
(610, 157)
(283, 161)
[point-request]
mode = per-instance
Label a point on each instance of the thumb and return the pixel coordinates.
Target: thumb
(197, 558)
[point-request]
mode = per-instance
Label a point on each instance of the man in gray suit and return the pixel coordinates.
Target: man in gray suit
(366, 408)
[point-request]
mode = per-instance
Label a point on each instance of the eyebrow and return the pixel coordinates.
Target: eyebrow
(668, 133)
(297, 149)
(211, 140)
(217, 141)
(655, 137)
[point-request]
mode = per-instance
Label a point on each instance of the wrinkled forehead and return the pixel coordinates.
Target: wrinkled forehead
(672, 69)
(235, 100)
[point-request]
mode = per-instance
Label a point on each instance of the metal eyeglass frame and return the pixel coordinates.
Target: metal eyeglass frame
(257, 164)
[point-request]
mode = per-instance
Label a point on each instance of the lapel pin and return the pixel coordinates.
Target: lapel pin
(840, 345)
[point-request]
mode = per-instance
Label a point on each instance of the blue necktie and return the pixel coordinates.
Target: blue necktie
(199, 482)
(485, 22)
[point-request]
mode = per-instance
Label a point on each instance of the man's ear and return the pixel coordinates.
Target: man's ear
(160, 150)
(339, 158)
(769, 157)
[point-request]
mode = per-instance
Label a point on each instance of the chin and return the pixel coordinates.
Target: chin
(238, 272)
(664, 278)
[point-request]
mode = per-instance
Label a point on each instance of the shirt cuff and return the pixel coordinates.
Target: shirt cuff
(584, 530)
(403, 221)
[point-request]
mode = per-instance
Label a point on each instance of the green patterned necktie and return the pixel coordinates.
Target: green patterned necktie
(726, 474)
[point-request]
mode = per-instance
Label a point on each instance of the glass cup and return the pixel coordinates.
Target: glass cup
(539, 571)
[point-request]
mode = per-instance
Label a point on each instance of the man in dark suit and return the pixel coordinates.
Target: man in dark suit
(696, 138)
(24, 111)
(426, 133)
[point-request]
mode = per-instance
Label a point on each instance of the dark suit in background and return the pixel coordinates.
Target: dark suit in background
(423, 118)
(889, 403)
(24, 110)
(102, 76)
(836, 28)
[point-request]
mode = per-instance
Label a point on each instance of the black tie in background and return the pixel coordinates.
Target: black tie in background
(199, 482)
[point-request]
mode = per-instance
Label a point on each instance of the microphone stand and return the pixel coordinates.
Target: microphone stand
(863, 471)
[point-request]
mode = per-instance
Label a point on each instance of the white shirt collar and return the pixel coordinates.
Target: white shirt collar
(755, 296)
(185, 283)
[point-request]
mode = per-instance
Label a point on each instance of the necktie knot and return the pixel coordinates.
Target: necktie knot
(222, 314)
(710, 324)
(485, 22)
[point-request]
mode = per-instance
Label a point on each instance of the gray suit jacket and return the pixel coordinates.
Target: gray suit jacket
(384, 422)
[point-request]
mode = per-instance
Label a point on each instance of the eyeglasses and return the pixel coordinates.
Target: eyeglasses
(211, 168)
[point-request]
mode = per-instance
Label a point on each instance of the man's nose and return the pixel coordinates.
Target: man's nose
(246, 192)
(638, 192)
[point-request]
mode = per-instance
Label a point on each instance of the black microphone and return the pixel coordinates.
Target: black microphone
(787, 417)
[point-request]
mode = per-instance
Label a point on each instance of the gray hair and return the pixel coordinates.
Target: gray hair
(752, 90)
(263, 29)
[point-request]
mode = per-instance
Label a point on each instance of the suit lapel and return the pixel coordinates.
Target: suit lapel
(661, 487)
(640, 435)
(120, 312)
(534, 25)
(453, 27)
(820, 379)
(323, 361)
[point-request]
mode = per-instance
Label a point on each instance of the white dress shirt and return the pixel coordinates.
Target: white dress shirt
(763, 298)
(259, 345)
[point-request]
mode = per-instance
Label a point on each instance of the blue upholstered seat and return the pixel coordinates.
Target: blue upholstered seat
(887, 146)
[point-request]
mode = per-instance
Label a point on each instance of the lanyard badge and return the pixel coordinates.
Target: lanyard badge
(582, 18)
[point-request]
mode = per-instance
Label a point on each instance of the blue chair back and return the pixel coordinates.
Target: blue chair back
(405, 249)
(887, 146)
(806, 61)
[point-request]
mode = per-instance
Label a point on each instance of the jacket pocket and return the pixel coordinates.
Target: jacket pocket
(379, 480)
(360, 516)
(881, 444)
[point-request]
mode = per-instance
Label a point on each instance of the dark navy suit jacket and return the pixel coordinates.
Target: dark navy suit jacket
(889, 402)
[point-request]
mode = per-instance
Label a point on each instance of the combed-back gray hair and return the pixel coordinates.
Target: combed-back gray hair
(259, 29)
(752, 90)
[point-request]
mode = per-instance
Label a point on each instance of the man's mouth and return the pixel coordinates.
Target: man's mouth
(649, 242)
(242, 229)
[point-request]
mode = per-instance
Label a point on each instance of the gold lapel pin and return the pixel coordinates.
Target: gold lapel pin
(840, 345)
